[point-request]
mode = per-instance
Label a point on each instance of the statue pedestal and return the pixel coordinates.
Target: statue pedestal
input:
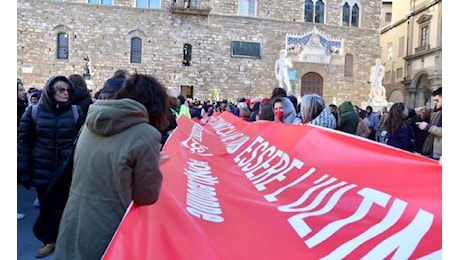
(376, 105)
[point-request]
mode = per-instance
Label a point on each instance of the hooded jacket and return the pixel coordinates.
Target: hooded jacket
(82, 99)
(289, 112)
(47, 143)
(348, 118)
(116, 161)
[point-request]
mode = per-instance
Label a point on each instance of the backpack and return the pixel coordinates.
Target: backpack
(35, 113)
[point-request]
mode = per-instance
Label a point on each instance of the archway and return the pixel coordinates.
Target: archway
(312, 83)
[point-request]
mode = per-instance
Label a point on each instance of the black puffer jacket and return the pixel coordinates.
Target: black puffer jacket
(46, 143)
(22, 105)
(82, 99)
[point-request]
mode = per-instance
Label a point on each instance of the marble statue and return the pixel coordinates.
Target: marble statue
(377, 94)
(281, 70)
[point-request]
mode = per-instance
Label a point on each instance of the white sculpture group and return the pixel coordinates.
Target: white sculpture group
(377, 94)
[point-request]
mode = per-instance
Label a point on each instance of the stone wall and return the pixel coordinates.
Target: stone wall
(104, 33)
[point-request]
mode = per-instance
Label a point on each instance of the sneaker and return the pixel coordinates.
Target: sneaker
(21, 216)
(36, 203)
(45, 250)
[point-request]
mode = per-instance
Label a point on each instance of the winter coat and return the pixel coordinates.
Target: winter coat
(348, 118)
(22, 105)
(289, 112)
(374, 121)
(433, 142)
(402, 138)
(82, 99)
(47, 142)
(363, 128)
(116, 161)
(254, 112)
(184, 110)
(437, 132)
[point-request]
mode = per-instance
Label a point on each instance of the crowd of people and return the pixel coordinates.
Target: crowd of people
(119, 167)
(417, 130)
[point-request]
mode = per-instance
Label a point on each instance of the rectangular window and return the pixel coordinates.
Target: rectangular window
(388, 17)
(424, 36)
(247, 7)
(401, 47)
(348, 65)
(246, 49)
(399, 73)
(152, 4)
(136, 50)
(101, 2)
(62, 46)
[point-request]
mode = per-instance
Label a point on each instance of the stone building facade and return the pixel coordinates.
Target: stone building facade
(338, 70)
(412, 51)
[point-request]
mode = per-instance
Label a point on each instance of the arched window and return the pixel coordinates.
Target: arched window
(345, 14)
(314, 11)
(136, 50)
(350, 16)
(348, 66)
(62, 46)
(355, 16)
(319, 12)
(308, 11)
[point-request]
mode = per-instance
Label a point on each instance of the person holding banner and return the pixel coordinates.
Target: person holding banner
(117, 161)
(314, 111)
(283, 108)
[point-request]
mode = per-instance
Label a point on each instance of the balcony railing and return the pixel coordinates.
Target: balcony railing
(180, 7)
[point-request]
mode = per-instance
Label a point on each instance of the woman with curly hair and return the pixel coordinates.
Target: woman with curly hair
(117, 161)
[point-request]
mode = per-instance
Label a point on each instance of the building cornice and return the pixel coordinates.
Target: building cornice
(422, 53)
(408, 16)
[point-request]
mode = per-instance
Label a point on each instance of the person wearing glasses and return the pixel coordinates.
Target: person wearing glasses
(45, 142)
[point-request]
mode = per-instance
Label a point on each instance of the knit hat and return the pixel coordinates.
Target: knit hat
(111, 87)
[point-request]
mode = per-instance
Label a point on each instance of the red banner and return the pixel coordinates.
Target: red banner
(265, 190)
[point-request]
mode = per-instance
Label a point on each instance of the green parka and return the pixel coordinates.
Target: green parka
(116, 161)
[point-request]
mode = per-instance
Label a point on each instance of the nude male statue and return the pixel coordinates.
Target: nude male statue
(281, 70)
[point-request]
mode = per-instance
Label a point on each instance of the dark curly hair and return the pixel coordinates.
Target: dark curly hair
(147, 90)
